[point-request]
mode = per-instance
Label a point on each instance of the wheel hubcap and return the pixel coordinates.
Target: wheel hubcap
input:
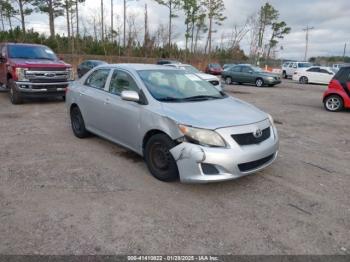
(259, 83)
(76, 122)
(333, 104)
(160, 156)
(228, 80)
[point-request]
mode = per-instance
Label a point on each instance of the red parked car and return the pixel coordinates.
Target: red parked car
(29, 70)
(214, 69)
(337, 97)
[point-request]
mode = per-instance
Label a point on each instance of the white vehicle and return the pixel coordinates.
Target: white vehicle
(209, 78)
(289, 68)
(314, 74)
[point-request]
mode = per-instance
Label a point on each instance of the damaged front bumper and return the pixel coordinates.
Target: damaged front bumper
(199, 164)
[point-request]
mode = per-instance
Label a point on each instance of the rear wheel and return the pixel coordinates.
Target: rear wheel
(228, 80)
(78, 124)
(159, 160)
(259, 82)
(15, 96)
(303, 80)
(334, 103)
(284, 75)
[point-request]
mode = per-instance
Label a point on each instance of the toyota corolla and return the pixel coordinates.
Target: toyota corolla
(181, 125)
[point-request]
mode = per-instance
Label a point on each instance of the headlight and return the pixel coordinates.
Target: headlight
(271, 120)
(21, 74)
(270, 78)
(70, 74)
(202, 137)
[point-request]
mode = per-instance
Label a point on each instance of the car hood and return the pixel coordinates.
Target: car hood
(207, 77)
(39, 63)
(214, 114)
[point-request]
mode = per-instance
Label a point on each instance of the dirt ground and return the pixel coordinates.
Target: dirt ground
(61, 195)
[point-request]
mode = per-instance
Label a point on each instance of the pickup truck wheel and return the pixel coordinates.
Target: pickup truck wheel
(284, 75)
(15, 96)
(159, 160)
(78, 124)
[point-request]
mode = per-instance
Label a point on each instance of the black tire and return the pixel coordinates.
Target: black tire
(15, 96)
(228, 80)
(64, 98)
(333, 103)
(259, 82)
(303, 80)
(159, 160)
(271, 85)
(284, 75)
(78, 124)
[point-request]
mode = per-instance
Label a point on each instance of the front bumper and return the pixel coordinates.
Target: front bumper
(230, 163)
(273, 82)
(29, 89)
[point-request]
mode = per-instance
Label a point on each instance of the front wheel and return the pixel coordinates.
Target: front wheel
(78, 124)
(259, 82)
(334, 103)
(15, 96)
(159, 160)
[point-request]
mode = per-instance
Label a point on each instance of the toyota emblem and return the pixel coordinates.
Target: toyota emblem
(258, 133)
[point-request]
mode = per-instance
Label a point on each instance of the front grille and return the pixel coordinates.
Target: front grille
(250, 139)
(47, 76)
(246, 167)
(214, 82)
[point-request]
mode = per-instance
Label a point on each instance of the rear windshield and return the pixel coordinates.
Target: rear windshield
(31, 52)
(304, 65)
(343, 75)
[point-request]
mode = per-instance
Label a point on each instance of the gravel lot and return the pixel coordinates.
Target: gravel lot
(61, 195)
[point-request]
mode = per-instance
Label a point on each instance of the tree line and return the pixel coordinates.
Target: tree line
(100, 33)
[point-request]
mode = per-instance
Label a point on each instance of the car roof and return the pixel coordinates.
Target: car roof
(22, 44)
(139, 67)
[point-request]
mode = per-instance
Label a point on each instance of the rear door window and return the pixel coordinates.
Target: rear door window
(98, 79)
(314, 70)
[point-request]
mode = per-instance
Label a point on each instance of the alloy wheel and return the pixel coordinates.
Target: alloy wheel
(333, 103)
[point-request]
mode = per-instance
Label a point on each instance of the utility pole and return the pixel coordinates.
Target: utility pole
(344, 52)
(102, 23)
(307, 29)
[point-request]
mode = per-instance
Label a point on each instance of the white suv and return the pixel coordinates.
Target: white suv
(289, 68)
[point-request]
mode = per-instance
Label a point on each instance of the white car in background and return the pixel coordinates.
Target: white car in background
(215, 81)
(314, 74)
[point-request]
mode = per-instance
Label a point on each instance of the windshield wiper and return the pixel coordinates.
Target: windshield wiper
(199, 98)
(170, 99)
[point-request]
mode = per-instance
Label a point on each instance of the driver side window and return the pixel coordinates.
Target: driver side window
(122, 81)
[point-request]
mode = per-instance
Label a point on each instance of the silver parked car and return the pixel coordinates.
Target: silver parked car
(182, 125)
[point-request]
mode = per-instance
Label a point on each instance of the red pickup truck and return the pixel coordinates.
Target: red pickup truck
(30, 70)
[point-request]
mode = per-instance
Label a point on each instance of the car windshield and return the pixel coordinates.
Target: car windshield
(191, 69)
(178, 86)
(304, 65)
(31, 52)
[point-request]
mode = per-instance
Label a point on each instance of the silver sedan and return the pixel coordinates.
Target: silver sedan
(183, 126)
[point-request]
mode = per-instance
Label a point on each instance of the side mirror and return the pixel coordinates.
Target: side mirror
(250, 71)
(131, 96)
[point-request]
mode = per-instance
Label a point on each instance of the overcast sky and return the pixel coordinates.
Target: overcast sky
(330, 18)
